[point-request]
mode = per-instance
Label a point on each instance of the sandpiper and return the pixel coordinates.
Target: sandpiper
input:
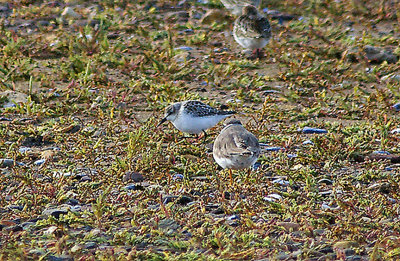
(235, 147)
(252, 30)
(194, 117)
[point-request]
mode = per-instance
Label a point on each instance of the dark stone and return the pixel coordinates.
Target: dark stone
(134, 187)
(218, 211)
(59, 258)
(55, 212)
(349, 252)
(227, 195)
(326, 250)
(133, 176)
(90, 245)
(72, 202)
(169, 199)
(35, 141)
(17, 228)
(184, 200)
(17, 207)
(325, 181)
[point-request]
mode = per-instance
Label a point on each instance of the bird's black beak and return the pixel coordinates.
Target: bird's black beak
(161, 122)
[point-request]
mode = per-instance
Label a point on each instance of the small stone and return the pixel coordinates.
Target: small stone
(39, 162)
(59, 258)
(133, 176)
(168, 224)
(282, 256)
(90, 245)
(169, 199)
(134, 187)
(349, 252)
(54, 212)
(184, 200)
(396, 131)
(378, 55)
(184, 48)
(308, 142)
(76, 248)
(319, 232)
(309, 130)
(289, 226)
(325, 181)
(69, 13)
(272, 197)
(50, 230)
(72, 202)
(273, 148)
(345, 244)
(397, 106)
(7, 163)
(281, 182)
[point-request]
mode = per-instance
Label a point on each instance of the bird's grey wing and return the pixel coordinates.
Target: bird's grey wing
(259, 28)
(200, 109)
(245, 144)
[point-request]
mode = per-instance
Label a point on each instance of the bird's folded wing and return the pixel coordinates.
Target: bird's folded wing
(259, 28)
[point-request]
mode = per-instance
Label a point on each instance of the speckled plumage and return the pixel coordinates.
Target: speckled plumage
(194, 117)
(236, 6)
(252, 30)
(235, 147)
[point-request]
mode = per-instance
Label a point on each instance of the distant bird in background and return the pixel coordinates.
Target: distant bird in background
(235, 147)
(252, 30)
(194, 117)
(236, 6)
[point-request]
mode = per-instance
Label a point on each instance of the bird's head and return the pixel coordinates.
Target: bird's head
(171, 112)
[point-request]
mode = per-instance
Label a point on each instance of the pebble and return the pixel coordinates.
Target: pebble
(397, 106)
(381, 152)
(345, 244)
(309, 130)
(325, 181)
(395, 131)
(134, 187)
(308, 142)
(272, 197)
(184, 48)
(169, 199)
(256, 166)
(289, 226)
(133, 176)
(281, 182)
(184, 200)
(69, 13)
(90, 245)
(55, 212)
(168, 225)
(178, 176)
(8, 163)
(39, 162)
(327, 207)
(50, 230)
(24, 149)
(378, 55)
(273, 148)
(59, 258)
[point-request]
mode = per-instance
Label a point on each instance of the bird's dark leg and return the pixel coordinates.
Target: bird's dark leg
(230, 176)
(205, 136)
(253, 55)
(260, 54)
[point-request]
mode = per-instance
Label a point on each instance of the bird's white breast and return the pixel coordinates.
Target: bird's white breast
(195, 125)
(251, 43)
